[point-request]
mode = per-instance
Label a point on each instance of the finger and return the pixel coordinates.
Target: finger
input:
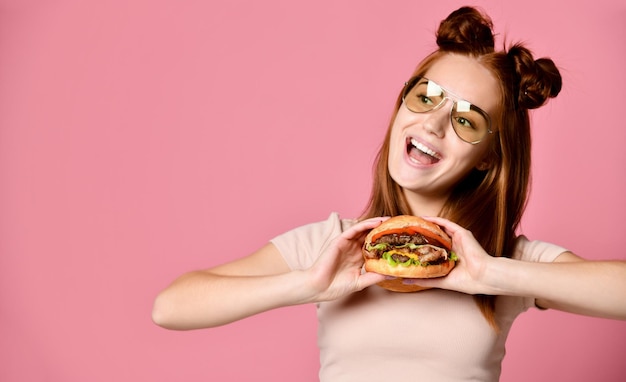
(360, 228)
(369, 279)
(427, 283)
(449, 226)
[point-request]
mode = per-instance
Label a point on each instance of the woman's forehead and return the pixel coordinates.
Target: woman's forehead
(466, 78)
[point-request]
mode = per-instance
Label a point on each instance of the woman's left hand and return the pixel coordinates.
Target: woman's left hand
(569, 283)
(469, 271)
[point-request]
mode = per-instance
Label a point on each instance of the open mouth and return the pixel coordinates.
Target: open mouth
(420, 154)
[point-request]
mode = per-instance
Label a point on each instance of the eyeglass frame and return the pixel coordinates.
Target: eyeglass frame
(446, 96)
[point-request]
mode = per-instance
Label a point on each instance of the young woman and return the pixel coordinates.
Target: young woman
(457, 150)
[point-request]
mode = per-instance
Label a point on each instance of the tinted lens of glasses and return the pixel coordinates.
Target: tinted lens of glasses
(470, 123)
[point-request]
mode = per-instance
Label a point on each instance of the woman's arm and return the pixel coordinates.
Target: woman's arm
(263, 281)
(213, 297)
(570, 283)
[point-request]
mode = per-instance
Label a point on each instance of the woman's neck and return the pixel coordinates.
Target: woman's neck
(425, 205)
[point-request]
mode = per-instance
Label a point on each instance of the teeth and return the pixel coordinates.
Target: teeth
(423, 148)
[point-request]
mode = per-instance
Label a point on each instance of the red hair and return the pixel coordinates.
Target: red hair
(488, 203)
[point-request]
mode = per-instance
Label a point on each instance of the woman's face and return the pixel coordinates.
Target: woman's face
(426, 157)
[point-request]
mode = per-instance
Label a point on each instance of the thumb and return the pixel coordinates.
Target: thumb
(368, 279)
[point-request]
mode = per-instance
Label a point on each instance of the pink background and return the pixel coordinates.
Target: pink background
(135, 135)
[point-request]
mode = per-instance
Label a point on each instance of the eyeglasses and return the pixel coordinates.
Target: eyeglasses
(470, 123)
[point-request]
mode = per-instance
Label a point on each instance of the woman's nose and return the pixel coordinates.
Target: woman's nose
(438, 121)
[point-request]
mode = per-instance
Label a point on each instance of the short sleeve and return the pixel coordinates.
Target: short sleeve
(301, 246)
(535, 251)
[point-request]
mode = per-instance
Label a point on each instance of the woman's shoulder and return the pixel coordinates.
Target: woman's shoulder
(302, 245)
(333, 225)
(536, 250)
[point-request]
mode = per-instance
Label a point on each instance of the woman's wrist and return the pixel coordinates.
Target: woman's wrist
(501, 276)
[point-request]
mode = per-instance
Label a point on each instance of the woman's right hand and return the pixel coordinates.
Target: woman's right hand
(339, 270)
(263, 281)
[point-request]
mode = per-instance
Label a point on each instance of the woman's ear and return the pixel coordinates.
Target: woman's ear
(483, 166)
(485, 163)
(488, 160)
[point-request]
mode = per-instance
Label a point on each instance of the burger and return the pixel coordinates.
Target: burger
(407, 246)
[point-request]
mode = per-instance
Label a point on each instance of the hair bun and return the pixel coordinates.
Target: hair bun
(538, 79)
(466, 30)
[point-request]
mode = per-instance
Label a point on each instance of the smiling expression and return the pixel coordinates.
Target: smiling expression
(426, 157)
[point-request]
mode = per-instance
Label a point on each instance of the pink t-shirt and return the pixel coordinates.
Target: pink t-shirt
(433, 335)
